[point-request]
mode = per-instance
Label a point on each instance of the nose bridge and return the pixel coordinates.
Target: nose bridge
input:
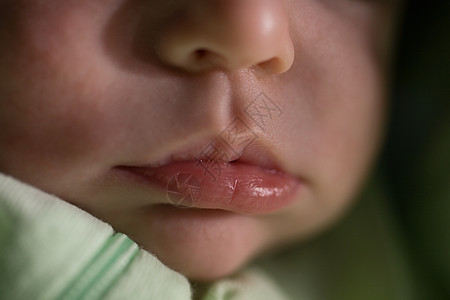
(229, 34)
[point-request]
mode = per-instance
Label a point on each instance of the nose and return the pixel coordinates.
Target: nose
(228, 34)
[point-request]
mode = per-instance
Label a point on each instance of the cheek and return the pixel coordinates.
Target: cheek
(66, 112)
(349, 112)
(50, 132)
(340, 102)
(53, 117)
(335, 117)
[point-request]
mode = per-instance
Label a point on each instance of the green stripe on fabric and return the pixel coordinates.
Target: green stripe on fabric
(97, 277)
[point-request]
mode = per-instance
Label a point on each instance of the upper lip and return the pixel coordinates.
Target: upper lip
(257, 153)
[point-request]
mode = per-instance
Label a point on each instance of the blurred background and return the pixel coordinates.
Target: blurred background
(416, 160)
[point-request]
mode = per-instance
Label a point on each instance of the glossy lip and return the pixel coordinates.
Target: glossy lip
(239, 188)
(249, 183)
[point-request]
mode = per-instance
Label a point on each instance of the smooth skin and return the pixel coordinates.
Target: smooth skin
(89, 85)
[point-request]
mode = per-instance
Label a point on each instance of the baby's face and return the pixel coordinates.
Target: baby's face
(267, 113)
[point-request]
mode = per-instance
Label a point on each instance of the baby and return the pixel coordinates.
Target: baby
(208, 131)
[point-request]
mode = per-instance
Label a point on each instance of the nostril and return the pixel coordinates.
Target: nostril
(200, 54)
(203, 58)
(275, 65)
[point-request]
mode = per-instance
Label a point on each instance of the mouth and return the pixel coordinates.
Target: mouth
(249, 184)
(237, 187)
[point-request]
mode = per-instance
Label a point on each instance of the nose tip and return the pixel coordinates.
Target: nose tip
(229, 34)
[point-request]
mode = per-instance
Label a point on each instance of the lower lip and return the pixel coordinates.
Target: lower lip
(236, 187)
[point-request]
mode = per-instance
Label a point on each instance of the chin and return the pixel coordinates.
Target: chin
(207, 264)
(203, 245)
